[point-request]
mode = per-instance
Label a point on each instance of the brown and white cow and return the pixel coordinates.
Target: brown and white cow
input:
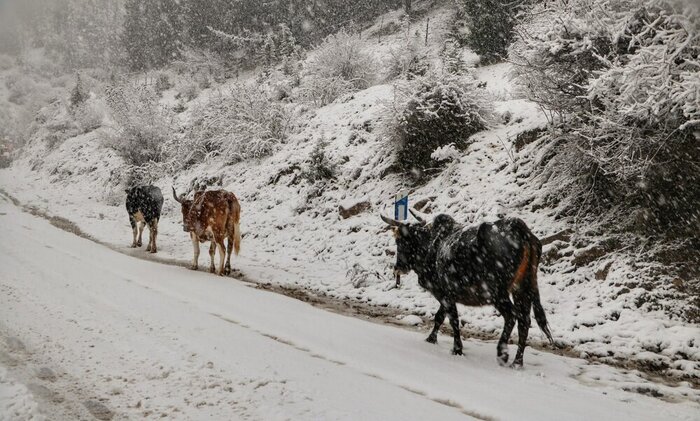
(213, 216)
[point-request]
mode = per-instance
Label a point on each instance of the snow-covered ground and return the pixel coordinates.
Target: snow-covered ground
(86, 330)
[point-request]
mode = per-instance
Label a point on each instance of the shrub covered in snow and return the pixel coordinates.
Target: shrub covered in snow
(238, 125)
(445, 153)
(188, 92)
(432, 112)
(453, 58)
(249, 48)
(88, 115)
(337, 66)
(141, 126)
(626, 74)
(407, 61)
(558, 49)
(162, 82)
(319, 167)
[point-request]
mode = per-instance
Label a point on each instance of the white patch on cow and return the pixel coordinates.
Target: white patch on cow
(138, 216)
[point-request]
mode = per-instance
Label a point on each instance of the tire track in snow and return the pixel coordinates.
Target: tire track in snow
(59, 394)
(419, 393)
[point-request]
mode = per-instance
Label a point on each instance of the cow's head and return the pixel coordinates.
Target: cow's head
(412, 242)
(186, 205)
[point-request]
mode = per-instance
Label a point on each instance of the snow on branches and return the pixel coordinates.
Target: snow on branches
(622, 79)
(239, 125)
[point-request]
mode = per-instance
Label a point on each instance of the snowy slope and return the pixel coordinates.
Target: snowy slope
(123, 337)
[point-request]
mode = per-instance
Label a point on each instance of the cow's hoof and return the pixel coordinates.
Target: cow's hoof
(502, 359)
(194, 267)
(154, 251)
(139, 244)
(212, 270)
(431, 339)
(456, 351)
(133, 246)
(517, 365)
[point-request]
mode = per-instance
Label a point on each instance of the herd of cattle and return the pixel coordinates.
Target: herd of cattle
(213, 215)
(474, 266)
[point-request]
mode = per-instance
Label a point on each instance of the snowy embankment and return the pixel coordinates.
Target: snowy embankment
(95, 331)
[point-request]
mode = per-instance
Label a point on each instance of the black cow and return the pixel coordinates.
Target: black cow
(144, 204)
(475, 266)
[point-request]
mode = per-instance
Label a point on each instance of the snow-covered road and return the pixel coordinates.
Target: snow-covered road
(88, 332)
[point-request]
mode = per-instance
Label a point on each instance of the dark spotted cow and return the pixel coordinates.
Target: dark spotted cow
(144, 205)
(482, 265)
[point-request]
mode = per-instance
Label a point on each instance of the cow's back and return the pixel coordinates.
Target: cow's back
(145, 199)
(501, 245)
(475, 256)
(210, 209)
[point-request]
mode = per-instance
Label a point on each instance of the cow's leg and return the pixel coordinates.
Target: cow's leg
(141, 226)
(152, 233)
(522, 313)
(150, 236)
(195, 246)
(229, 249)
(134, 230)
(505, 307)
(454, 323)
(212, 253)
(222, 254)
(439, 318)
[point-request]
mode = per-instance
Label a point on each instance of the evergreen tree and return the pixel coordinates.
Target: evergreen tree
(78, 95)
(491, 25)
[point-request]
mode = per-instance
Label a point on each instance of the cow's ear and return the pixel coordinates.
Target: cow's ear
(395, 231)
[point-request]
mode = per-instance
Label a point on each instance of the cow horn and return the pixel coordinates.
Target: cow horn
(418, 218)
(177, 199)
(391, 222)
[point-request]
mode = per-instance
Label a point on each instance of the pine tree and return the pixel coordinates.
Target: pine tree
(78, 95)
(269, 51)
(491, 25)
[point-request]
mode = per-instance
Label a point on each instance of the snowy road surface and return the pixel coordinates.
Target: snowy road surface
(90, 333)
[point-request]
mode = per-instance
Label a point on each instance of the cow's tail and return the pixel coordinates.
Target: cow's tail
(540, 316)
(236, 210)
